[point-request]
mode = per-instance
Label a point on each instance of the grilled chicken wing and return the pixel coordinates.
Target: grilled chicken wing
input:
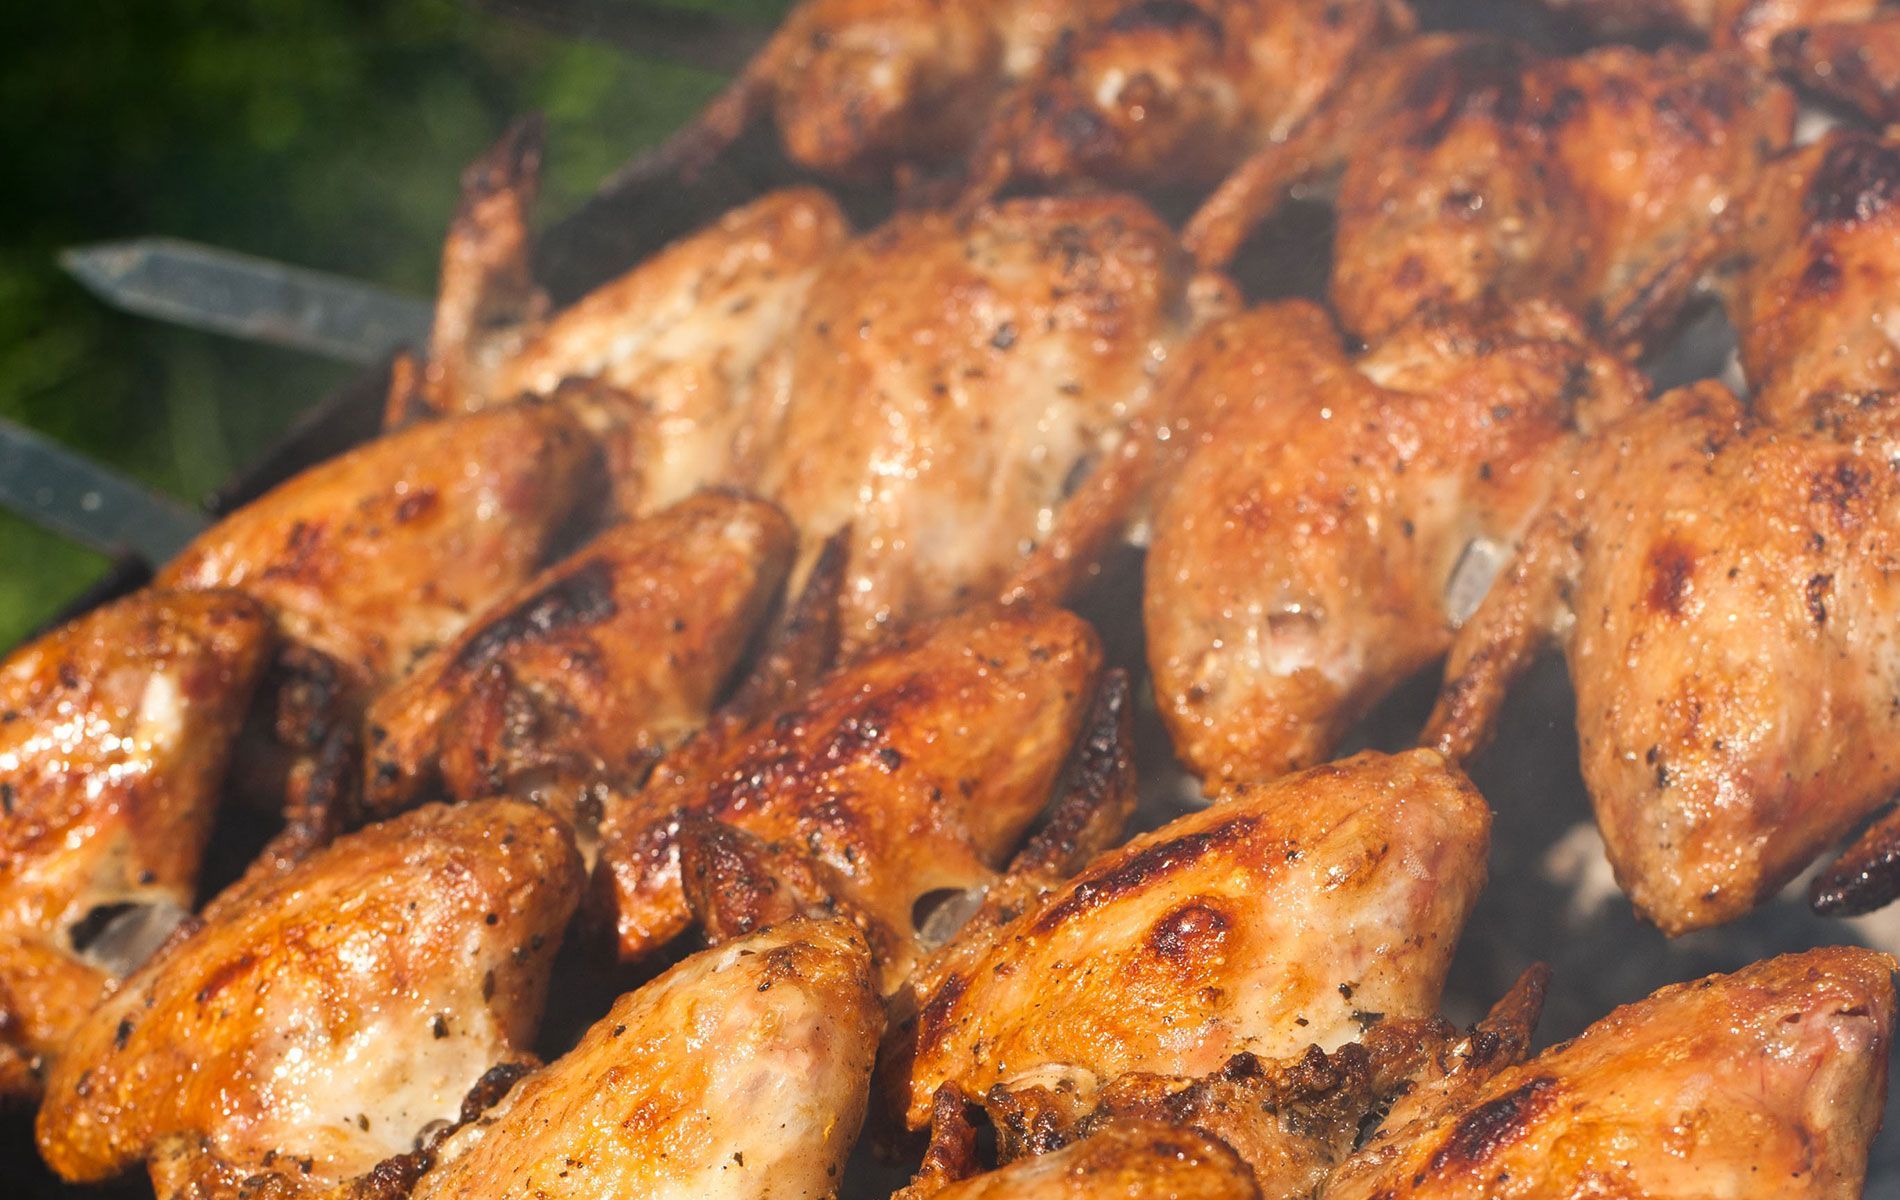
(912, 771)
(742, 1072)
(1277, 919)
(1812, 301)
(1767, 1082)
(1722, 589)
(1176, 92)
(589, 671)
(115, 731)
(953, 379)
(382, 553)
(682, 334)
(319, 1023)
(1593, 181)
(1846, 49)
(1477, 171)
(1333, 520)
(860, 87)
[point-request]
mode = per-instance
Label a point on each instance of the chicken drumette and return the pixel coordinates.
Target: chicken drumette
(324, 1021)
(1476, 171)
(1765, 1083)
(1332, 520)
(115, 732)
(583, 677)
(740, 1073)
(1722, 589)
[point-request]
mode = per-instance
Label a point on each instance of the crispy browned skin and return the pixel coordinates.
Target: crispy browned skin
(913, 770)
(1846, 49)
(1175, 92)
(1304, 547)
(1819, 263)
(588, 672)
(321, 1022)
(1767, 1082)
(1722, 593)
(381, 554)
(1596, 182)
(742, 1072)
(950, 382)
(115, 731)
(1272, 921)
(1128, 1158)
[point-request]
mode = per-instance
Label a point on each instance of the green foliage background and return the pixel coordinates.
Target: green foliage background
(322, 132)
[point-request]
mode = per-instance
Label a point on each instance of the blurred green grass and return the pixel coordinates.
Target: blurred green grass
(322, 132)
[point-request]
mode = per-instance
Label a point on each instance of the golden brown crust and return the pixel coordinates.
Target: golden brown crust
(913, 770)
(589, 671)
(321, 1023)
(1767, 1082)
(1155, 93)
(384, 552)
(1218, 930)
(115, 732)
(1599, 182)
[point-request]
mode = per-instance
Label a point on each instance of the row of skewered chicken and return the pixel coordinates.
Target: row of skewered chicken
(861, 472)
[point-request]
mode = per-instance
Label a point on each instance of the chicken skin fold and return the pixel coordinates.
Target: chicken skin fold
(1847, 50)
(1817, 263)
(1138, 92)
(1475, 171)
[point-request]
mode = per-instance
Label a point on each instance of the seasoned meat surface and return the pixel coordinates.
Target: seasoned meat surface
(742, 1073)
(1765, 1083)
(1273, 920)
(1331, 519)
(1721, 590)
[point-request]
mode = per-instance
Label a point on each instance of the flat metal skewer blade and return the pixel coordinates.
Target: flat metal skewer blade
(252, 298)
(88, 502)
